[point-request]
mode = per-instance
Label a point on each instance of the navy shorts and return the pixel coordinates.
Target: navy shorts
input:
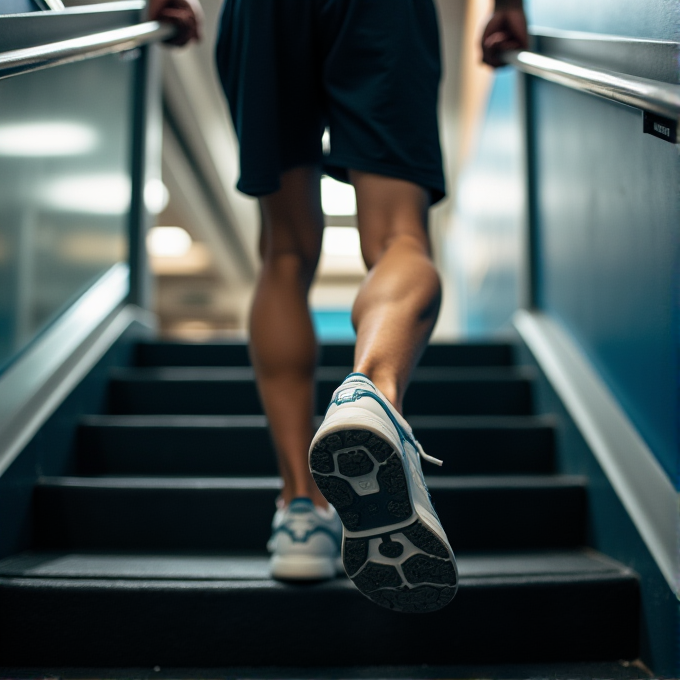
(368, 70)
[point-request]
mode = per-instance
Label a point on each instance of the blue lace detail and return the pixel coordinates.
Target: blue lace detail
(303, 539)
(300, 506)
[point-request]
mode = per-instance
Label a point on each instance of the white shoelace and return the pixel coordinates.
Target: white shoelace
(425, 456)
(407, 430)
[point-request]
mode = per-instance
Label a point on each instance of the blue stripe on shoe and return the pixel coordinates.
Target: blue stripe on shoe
(404, 436)
(308, 534)
(301, 504)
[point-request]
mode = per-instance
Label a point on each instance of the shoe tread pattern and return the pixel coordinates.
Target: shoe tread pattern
(425, 578)
(429, 579)
(390, 505)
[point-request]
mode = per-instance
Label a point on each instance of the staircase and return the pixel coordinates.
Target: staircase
(152, 552)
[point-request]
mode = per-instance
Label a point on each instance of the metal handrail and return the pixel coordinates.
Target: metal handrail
(642, 93)
(24, 60)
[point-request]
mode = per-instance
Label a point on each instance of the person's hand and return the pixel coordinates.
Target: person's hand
(506, 30)
(186, 15)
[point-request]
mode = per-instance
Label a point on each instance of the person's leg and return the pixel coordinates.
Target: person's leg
(282, 341)
(398, 303)
(365, 457)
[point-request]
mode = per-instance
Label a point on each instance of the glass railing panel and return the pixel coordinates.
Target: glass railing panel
(64, 189)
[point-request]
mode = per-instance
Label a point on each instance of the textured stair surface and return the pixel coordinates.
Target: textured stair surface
(170, 353)
(222, 391)
(207, 513)
(241, 446)
(219, 610)
(151, 551)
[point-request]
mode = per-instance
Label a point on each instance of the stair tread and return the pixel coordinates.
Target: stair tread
(244, 483)
(232, 391)
(170, 352)
(417, 422)
(215, 445)
(474, 569)
(324, 373)
(528, 512)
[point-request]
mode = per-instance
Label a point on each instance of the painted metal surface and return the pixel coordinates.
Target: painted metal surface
(608, 251)
(604, 211)
(657, 19)
(18, 6)
(643, 487)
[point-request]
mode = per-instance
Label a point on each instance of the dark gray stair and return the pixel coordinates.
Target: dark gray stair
(196, 611)
(153, 553)
(241, 446)
(232, 391)
(163, 513)
(168, 353)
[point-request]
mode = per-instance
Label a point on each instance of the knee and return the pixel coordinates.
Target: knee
(298, 266)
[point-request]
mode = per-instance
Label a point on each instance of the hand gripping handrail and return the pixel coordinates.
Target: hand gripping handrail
(642, 93)
(24, 60)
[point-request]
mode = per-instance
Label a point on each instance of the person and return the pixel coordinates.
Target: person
(369, 72)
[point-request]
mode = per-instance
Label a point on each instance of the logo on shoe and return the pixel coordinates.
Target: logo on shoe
(365, 484)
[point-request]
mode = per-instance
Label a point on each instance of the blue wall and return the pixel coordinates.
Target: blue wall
(658, 19)
(608, 225)
(608, 216)
(609, 249)
(17, 6)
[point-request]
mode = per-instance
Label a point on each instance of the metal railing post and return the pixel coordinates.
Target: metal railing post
(147, 125)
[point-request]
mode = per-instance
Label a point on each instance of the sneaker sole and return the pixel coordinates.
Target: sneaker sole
(388, 551)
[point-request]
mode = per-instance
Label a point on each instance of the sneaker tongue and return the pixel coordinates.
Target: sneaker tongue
(301, 504)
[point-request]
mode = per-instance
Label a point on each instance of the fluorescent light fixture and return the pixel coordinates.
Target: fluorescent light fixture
(337, 198)
(156, 196)
(168, 242)
(46, 139)
(106, 194)
(341, 242)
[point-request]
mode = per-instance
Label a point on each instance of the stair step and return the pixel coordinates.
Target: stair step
(241, 446)
(164, 513)
(232, 391)
(169, 353)
(199, 611)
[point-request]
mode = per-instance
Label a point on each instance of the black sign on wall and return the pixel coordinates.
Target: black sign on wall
(663, 128)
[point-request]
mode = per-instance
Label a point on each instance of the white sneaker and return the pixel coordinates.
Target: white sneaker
(305, 542)
(366, 463)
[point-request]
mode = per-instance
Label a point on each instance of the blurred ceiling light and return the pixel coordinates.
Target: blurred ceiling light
(341, 241)
(337, 198)
(168, 242)
(46, 139)
(156, 196)
(107, 194)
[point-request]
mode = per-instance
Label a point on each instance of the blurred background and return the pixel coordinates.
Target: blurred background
(203, 249)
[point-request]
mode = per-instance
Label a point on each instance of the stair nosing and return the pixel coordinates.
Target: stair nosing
(420, 422)
(458, 482)
(327, 373)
